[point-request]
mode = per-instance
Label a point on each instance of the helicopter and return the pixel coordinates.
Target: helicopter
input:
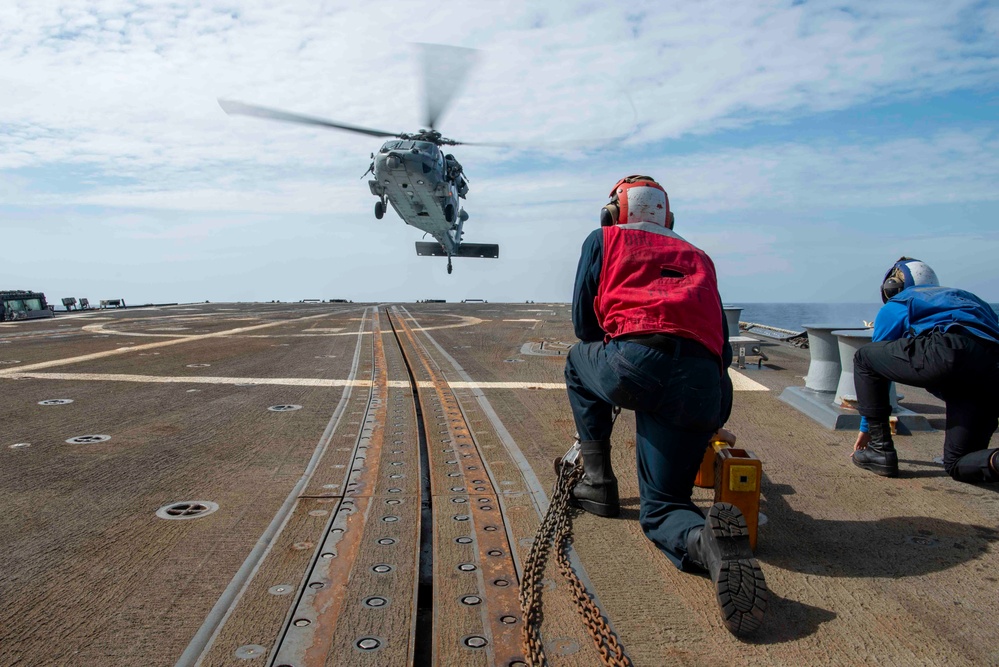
(410, 172)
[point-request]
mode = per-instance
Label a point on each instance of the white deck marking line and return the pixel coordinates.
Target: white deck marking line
(151, 346)
(466, 321)
(199, 379)
(740, 382)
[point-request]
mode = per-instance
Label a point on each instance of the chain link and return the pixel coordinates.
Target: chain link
(556, 529)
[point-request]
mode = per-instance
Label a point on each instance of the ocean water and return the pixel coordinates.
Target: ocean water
(793, 315)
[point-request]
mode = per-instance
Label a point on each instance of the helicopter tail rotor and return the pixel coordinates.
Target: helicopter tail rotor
(444, 70)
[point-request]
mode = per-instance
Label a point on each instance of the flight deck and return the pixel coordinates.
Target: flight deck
(360, 484)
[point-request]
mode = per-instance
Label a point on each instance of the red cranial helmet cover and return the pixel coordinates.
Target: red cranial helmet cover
(640, 199)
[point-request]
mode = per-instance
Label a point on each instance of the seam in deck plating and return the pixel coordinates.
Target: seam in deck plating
(206, 634)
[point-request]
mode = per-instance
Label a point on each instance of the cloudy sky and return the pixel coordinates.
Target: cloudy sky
(804, 145)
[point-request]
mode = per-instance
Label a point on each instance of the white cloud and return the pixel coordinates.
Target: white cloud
(951, 166)
(112, 82)
(110, 105)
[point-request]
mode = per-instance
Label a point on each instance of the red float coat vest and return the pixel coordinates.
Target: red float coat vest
(653, 281)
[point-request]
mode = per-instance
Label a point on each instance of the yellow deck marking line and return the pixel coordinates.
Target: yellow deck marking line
(739, 381)
(149, 346)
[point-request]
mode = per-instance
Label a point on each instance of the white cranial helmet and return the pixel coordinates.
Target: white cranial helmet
(906, 273)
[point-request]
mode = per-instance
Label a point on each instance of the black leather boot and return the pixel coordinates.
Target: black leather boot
(880, 456)
(722, 548)
(597, 491)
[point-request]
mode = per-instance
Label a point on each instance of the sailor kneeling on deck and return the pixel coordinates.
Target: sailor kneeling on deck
(654, 340)
(942, 339)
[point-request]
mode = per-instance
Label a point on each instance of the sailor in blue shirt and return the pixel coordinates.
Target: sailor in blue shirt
(945, 340)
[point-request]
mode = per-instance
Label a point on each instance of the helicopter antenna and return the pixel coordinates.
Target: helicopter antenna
(444, 70)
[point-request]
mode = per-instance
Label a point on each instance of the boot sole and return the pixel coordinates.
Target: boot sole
(740, 587)
(600, 509)
(883, 471)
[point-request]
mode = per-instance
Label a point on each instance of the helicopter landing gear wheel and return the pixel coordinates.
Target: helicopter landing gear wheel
(449, 213)
(449, 266)
(379, 210)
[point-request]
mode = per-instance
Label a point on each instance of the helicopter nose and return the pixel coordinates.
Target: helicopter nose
(393, 161)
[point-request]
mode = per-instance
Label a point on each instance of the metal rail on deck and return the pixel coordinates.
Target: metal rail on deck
(460, 485)
(320, 615)
(201, 642)
(454, 602)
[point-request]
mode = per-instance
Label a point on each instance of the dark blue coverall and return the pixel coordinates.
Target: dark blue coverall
(681, 394)
(945, 340)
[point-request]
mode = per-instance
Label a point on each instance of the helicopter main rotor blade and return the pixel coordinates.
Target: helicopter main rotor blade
(445, 68)
(233, 107)
(592, 143)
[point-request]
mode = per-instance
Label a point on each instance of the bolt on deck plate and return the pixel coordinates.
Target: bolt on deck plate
(368, 643)
(250, 651)
(187, 509)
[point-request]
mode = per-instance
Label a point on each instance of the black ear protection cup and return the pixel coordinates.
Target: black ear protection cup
(671, 221)
(609, 214)
(890, 288)
(894, 281)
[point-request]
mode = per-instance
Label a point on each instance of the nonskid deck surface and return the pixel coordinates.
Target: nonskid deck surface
(324, 519)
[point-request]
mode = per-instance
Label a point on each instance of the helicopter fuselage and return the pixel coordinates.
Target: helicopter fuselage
(423, 188)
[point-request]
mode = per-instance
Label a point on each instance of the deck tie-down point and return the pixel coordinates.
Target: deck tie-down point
(188, 509)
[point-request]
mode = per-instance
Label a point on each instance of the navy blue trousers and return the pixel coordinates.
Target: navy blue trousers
(960, 369)
(678, 404)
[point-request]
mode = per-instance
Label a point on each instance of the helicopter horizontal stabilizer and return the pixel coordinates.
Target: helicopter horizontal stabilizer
(431, 249)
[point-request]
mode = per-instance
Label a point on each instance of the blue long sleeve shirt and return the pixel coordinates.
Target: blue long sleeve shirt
(584, 318)
(919, 310)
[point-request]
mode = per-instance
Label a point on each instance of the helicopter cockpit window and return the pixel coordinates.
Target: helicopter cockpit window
(427, 148)
(391, 146)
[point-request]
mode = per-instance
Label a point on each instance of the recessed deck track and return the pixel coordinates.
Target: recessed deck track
(476, 612)
(367, 586)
